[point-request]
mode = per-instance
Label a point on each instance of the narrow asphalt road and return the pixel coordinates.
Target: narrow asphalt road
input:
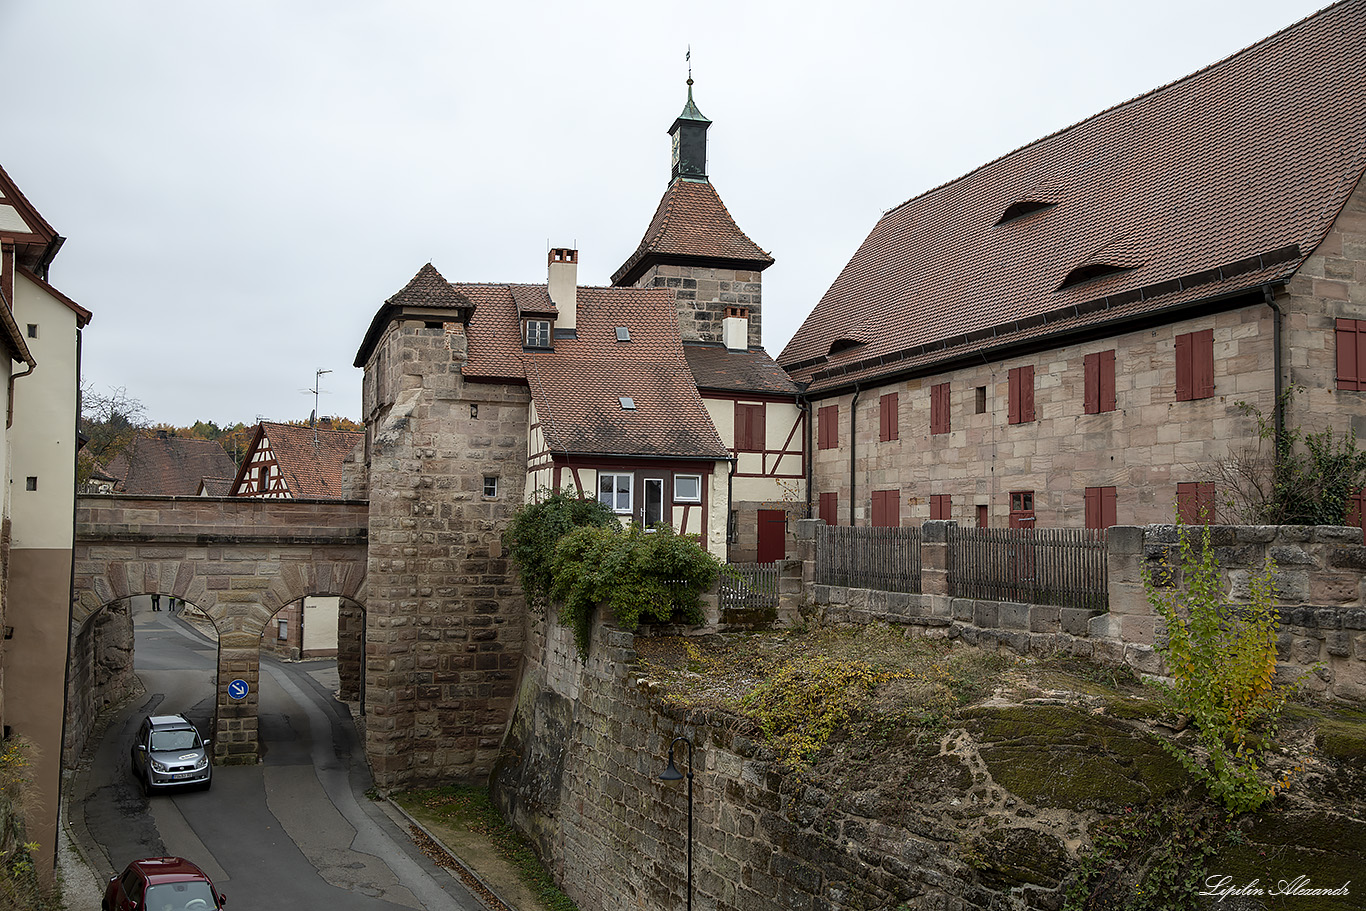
(293, 831)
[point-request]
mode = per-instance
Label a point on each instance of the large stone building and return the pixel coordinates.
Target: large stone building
(1066, 333)
(41, 327)
(653, 395)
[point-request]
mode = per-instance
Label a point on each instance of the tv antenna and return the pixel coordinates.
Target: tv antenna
(316, 390)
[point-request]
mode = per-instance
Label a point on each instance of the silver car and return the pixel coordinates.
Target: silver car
(168, 752)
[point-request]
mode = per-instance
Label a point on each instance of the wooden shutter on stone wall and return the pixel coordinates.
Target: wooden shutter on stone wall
(830, 504)
(939, 408)
(1351, 345)
(887, 417)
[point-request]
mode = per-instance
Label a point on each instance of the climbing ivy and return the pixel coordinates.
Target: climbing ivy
(1222, 660)
(655, 576)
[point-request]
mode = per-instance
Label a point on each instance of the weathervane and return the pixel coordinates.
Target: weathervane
(688, 58)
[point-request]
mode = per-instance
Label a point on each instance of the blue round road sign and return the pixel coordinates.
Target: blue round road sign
(238, 689)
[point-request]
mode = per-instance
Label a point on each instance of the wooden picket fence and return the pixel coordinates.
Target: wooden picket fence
(1058, 566)
(884, 559)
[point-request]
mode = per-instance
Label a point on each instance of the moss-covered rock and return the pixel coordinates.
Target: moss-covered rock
(1066, 757)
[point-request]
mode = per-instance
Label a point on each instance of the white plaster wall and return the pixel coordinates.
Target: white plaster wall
(320, 622)
(43, 438)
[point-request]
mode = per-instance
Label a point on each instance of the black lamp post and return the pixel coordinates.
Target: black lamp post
(672, 774)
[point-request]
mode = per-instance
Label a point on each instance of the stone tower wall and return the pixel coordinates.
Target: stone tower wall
(703, 294)
(445, 622)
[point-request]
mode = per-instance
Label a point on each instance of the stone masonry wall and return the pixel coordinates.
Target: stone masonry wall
(703, 294)
(444, 618)
(1320, 585)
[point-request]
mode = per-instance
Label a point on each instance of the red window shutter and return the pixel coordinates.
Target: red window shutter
(876, 518)
(827, 427)
(1195, 502)
(1356, 508)
(1092, 384)
(1106, 369)
(1026, 394)
(941, 505)
(1013, 408)
(1100, 507)
(892, 507)
(887, 417)
(758, 436)
(1202, 364)
(939, 408)
(981, 517)
(1183, 367)
(741, 426)
(830, 508)
(1350, 339)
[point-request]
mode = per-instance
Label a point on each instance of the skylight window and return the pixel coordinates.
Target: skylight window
(623, 334)
(628, 403)
(1022, 208)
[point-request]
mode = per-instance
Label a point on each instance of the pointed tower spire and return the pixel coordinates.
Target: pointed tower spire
(689, 133)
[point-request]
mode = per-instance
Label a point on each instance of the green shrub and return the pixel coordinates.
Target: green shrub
(1222, 659)
(538, 527)
(655, 576)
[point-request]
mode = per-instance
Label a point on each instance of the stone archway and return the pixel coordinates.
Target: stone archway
(237, 560)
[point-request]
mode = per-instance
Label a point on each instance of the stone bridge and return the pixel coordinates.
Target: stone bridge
(238, 561)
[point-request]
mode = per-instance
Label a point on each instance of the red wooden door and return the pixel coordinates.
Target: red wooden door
(772, 535)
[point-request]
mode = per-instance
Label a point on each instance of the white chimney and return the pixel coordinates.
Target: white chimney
(735, 329)
(564, 283)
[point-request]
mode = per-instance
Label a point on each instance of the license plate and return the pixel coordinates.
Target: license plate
(180, 776)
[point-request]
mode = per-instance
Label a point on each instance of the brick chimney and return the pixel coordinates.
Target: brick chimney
(564, 282)
(735, 329)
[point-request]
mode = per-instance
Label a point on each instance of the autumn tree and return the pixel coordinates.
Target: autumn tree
(109, 422)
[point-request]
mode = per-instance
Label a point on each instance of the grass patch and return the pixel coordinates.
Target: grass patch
(470, 810)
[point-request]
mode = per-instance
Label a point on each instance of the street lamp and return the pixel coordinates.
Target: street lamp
(672, 774)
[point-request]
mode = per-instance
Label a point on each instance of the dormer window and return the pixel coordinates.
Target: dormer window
(844, 344)
(538, 333)
(1091, 270)
(1022, 208)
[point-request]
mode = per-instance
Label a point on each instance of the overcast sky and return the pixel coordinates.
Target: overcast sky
(243, 184)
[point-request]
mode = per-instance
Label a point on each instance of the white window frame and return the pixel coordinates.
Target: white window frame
(283, 629)
(541, 328)
(645, 504)
(614, 502)
(680, 497)
(490, 487)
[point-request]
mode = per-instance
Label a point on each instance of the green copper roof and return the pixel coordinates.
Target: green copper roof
(690, 111)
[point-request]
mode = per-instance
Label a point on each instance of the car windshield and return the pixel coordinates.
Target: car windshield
(168, 741)
(192, 896)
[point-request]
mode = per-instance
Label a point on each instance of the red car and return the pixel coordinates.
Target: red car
(162, 884)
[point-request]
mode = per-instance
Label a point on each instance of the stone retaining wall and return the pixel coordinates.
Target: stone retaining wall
(1320, 584)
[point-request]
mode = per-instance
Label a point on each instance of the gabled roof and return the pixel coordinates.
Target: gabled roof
(579, 386)
(36, 240)
(310, 460)
(692, 225)
(715, 368)
(1206, 188)
(82, 315)
(214, 487)
(168, 466)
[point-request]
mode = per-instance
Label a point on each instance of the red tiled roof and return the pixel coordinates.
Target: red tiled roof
(216, 487)
(1210, 186)
(716, 368)
(578, 387)
(168, 466)
(310, 460)
(691, 224)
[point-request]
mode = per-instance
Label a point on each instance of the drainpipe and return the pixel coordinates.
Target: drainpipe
(1269, 296)
(808, 452)
(853, 449)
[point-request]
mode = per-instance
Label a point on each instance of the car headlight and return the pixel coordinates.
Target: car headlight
(202, 764)
(159, 766)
